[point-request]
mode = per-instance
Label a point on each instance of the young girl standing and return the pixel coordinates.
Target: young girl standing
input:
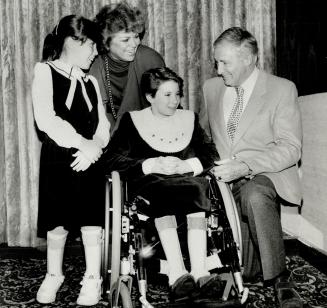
(73, 129)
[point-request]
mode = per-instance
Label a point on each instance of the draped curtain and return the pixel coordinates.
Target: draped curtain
(182, 31)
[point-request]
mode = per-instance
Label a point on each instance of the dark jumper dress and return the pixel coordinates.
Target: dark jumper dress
(168, 194)
(66, 197)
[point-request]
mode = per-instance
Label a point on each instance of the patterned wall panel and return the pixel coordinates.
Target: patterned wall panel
(182, 31)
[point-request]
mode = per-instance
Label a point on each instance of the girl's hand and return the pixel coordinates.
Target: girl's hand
(163, 166)
(81, 163)
(178, 165)
(183, 167)
(90, 149)
(171, 165)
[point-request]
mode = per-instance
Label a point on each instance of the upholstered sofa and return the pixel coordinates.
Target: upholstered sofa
(310, 225)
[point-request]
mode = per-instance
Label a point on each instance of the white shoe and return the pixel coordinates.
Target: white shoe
(49, 288)
(90, 293)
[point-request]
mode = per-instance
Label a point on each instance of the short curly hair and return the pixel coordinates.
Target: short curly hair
(118, 17)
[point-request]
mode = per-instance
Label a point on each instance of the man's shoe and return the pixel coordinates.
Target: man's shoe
(286, 295)
(90, 293)
(183, 287)
(49, 288)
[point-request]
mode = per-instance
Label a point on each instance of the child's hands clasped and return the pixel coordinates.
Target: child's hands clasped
(169, 165)
(90, 149)
(81, 162)
(89, 152)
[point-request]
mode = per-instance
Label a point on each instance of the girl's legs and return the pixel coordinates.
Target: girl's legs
(167, 230)
(90, 293)
(210, 285)
(197, 244)
(54, 278)
(180, 281)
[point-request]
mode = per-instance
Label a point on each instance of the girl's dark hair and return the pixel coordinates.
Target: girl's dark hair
(153, 78)
(118, 17)
(77, 27)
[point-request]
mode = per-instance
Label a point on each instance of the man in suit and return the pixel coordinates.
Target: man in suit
(254, 119)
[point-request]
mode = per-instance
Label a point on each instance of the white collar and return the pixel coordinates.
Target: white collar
(74, 73)
(169, 135)
(249, 83)
(68, 70)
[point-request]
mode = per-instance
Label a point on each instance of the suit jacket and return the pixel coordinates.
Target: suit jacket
(269, 135)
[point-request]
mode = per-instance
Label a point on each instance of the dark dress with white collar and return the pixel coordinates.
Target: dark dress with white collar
(66, 197)
(168, 194)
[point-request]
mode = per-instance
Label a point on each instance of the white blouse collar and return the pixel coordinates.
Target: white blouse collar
(74, 73)
(68, 70)
(168, 135)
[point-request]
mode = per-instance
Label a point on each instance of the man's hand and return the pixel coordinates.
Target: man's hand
(228, 170)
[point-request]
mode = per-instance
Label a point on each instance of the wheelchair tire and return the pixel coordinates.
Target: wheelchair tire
(124, 296)
(232, 215)
(116, 227)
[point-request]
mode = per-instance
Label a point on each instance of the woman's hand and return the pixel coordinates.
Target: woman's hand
(90, 149)
(81, 163)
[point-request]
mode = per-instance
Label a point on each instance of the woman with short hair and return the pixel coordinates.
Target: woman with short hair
(122, 60)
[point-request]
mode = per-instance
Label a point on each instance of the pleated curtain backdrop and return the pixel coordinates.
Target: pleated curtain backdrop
(182, 31)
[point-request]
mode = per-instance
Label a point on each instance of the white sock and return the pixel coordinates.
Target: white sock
(92, 236)
(166, 227)
(197, 244)
(56, 240)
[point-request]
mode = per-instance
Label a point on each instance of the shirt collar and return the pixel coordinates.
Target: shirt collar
(70, 71)
(249, 83)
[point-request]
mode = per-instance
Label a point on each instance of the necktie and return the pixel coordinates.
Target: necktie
(235, 114)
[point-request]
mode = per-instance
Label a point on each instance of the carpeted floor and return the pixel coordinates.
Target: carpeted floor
(21, 276)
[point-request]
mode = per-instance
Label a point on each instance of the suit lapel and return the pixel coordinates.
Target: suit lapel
(253, 106)
(217, 99)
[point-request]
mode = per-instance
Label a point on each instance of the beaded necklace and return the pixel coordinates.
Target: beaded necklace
(108, 87)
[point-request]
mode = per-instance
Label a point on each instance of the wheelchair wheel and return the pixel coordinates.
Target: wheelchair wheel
(121, 299)
(112, 233)
(232, 215)
(116, 227)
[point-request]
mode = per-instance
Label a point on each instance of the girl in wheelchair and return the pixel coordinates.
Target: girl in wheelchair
(162, 152)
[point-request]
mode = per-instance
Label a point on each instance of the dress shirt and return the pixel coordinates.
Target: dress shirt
(230, 94)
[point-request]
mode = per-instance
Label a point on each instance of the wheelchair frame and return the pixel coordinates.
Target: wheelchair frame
(117, 272)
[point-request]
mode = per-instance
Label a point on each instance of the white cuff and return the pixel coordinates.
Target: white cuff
(195, 165)
(147, 165)
(77, 144)
(98, 141)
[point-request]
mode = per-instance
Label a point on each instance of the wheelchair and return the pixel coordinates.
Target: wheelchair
(124, 245)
